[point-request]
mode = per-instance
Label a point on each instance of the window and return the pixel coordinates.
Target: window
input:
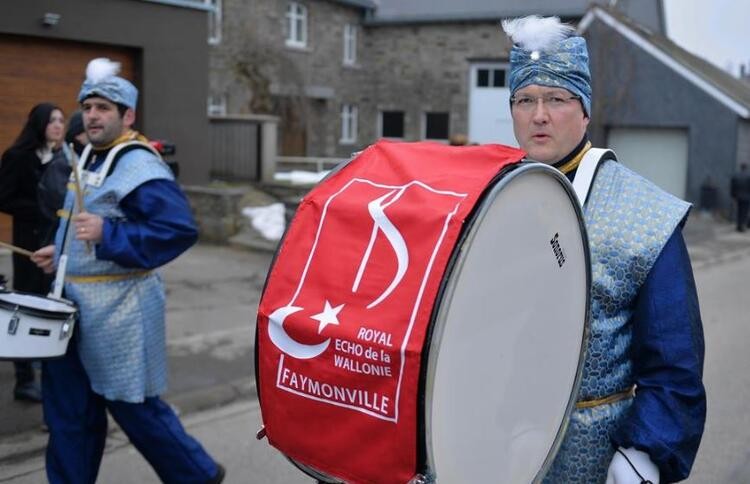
(436, 126)
(214, 21)
(491, 78)
(217, 105)
(296, 25)
(348, 124)
(392, 124)
(350, 44)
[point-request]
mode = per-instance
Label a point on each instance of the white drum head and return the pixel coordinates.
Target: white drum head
(507, 346)
(39, 303)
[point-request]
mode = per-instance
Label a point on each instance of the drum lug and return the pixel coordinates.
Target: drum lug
(66, 327)
(261, 433)
(13, 323)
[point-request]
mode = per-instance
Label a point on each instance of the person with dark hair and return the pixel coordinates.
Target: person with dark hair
(23, 164)
(134, 218)
(740, 191)
(76, 134)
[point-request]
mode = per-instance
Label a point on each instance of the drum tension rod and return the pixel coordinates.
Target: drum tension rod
(13, 323)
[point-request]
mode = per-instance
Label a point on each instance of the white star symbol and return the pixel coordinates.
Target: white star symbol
(328, 316)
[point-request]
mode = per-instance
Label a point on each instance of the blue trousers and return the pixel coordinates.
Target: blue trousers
(77, 422)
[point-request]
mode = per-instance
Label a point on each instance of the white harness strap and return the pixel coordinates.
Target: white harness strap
(587, 170)
(95, 179)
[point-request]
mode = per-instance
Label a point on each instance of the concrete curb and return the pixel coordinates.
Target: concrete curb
(27, 445)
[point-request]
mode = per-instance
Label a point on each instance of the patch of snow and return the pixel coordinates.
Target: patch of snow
(268, 220)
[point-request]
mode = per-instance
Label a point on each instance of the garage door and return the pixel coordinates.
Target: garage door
(489, 106)
(34, 70)
(661, 155)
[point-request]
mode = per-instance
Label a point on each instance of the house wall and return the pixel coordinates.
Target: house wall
(411, 68)
(634, 89)
(743, 142)
(170, 71)
(425, 67)
(256, 72)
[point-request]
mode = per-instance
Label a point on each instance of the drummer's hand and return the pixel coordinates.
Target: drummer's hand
(623, 472)
(44, 258)
(88, 227)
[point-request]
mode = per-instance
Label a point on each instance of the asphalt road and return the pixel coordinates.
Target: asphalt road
(213, 292)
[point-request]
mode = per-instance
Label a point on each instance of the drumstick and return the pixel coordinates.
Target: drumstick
(17, 250)
(76, 179)
(77, 182)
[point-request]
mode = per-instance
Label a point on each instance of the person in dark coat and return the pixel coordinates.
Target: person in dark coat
(76, 134)
(740, 191)
(22, 166)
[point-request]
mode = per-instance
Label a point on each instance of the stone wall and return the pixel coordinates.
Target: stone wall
(405, 67)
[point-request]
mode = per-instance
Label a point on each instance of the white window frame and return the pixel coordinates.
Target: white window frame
(217, 105)
(350, 44)
(349, 121)
(214, 21)
(296, 15)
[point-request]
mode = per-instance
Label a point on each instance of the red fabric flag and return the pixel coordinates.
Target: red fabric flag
(343, 318)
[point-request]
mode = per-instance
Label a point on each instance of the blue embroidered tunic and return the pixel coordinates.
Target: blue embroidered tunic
(147, 223)
(645, 330)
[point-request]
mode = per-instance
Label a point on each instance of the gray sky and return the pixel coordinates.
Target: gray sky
(717, 30)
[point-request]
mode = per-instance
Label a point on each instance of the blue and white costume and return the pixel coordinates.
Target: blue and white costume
(641, 390)
(125, 358)
(116, 360)
(645, 330)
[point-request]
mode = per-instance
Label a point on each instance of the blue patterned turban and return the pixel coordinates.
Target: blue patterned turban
(565, 65)
(102, 80)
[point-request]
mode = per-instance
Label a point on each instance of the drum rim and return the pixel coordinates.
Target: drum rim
(447, 287)
(61, 315)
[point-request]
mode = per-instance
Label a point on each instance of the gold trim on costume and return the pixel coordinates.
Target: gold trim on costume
(615, 397)
(106, 277)
(573, 164)
(129, 136)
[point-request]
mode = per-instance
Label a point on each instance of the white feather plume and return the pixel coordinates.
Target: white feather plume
(535, 33)
(101, 68)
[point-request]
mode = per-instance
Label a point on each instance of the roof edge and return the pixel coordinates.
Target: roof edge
(597, 12)
(435, 19)
(191, 4)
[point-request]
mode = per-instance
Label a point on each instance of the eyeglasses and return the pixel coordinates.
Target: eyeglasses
(552, 101)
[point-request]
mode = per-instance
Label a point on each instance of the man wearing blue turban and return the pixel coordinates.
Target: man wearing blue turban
(641, 406)
(134, 218)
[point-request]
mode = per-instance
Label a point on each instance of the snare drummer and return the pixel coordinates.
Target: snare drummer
(136, 220)
(642, 394)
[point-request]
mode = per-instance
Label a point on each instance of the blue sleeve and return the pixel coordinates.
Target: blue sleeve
(669, 411)
(158, 226)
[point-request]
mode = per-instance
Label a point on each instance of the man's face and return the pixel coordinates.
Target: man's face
(548, 132)
(102, 121)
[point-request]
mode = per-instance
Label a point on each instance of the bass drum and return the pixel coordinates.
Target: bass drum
(508, 337)
(503, 355)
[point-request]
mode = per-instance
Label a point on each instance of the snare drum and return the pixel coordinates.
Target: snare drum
(34, 327)
(495, 378)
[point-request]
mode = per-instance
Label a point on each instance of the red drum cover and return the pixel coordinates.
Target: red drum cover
(343, 318)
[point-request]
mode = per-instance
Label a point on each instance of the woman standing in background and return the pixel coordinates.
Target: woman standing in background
(23, 164)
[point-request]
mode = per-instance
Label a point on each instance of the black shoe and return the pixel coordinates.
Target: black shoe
(220, 473)
(28, 392)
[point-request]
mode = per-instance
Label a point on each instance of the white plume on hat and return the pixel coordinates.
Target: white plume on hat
(100, 69)
(535, 33)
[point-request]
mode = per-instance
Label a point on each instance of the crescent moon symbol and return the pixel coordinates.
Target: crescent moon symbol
(286, 343)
